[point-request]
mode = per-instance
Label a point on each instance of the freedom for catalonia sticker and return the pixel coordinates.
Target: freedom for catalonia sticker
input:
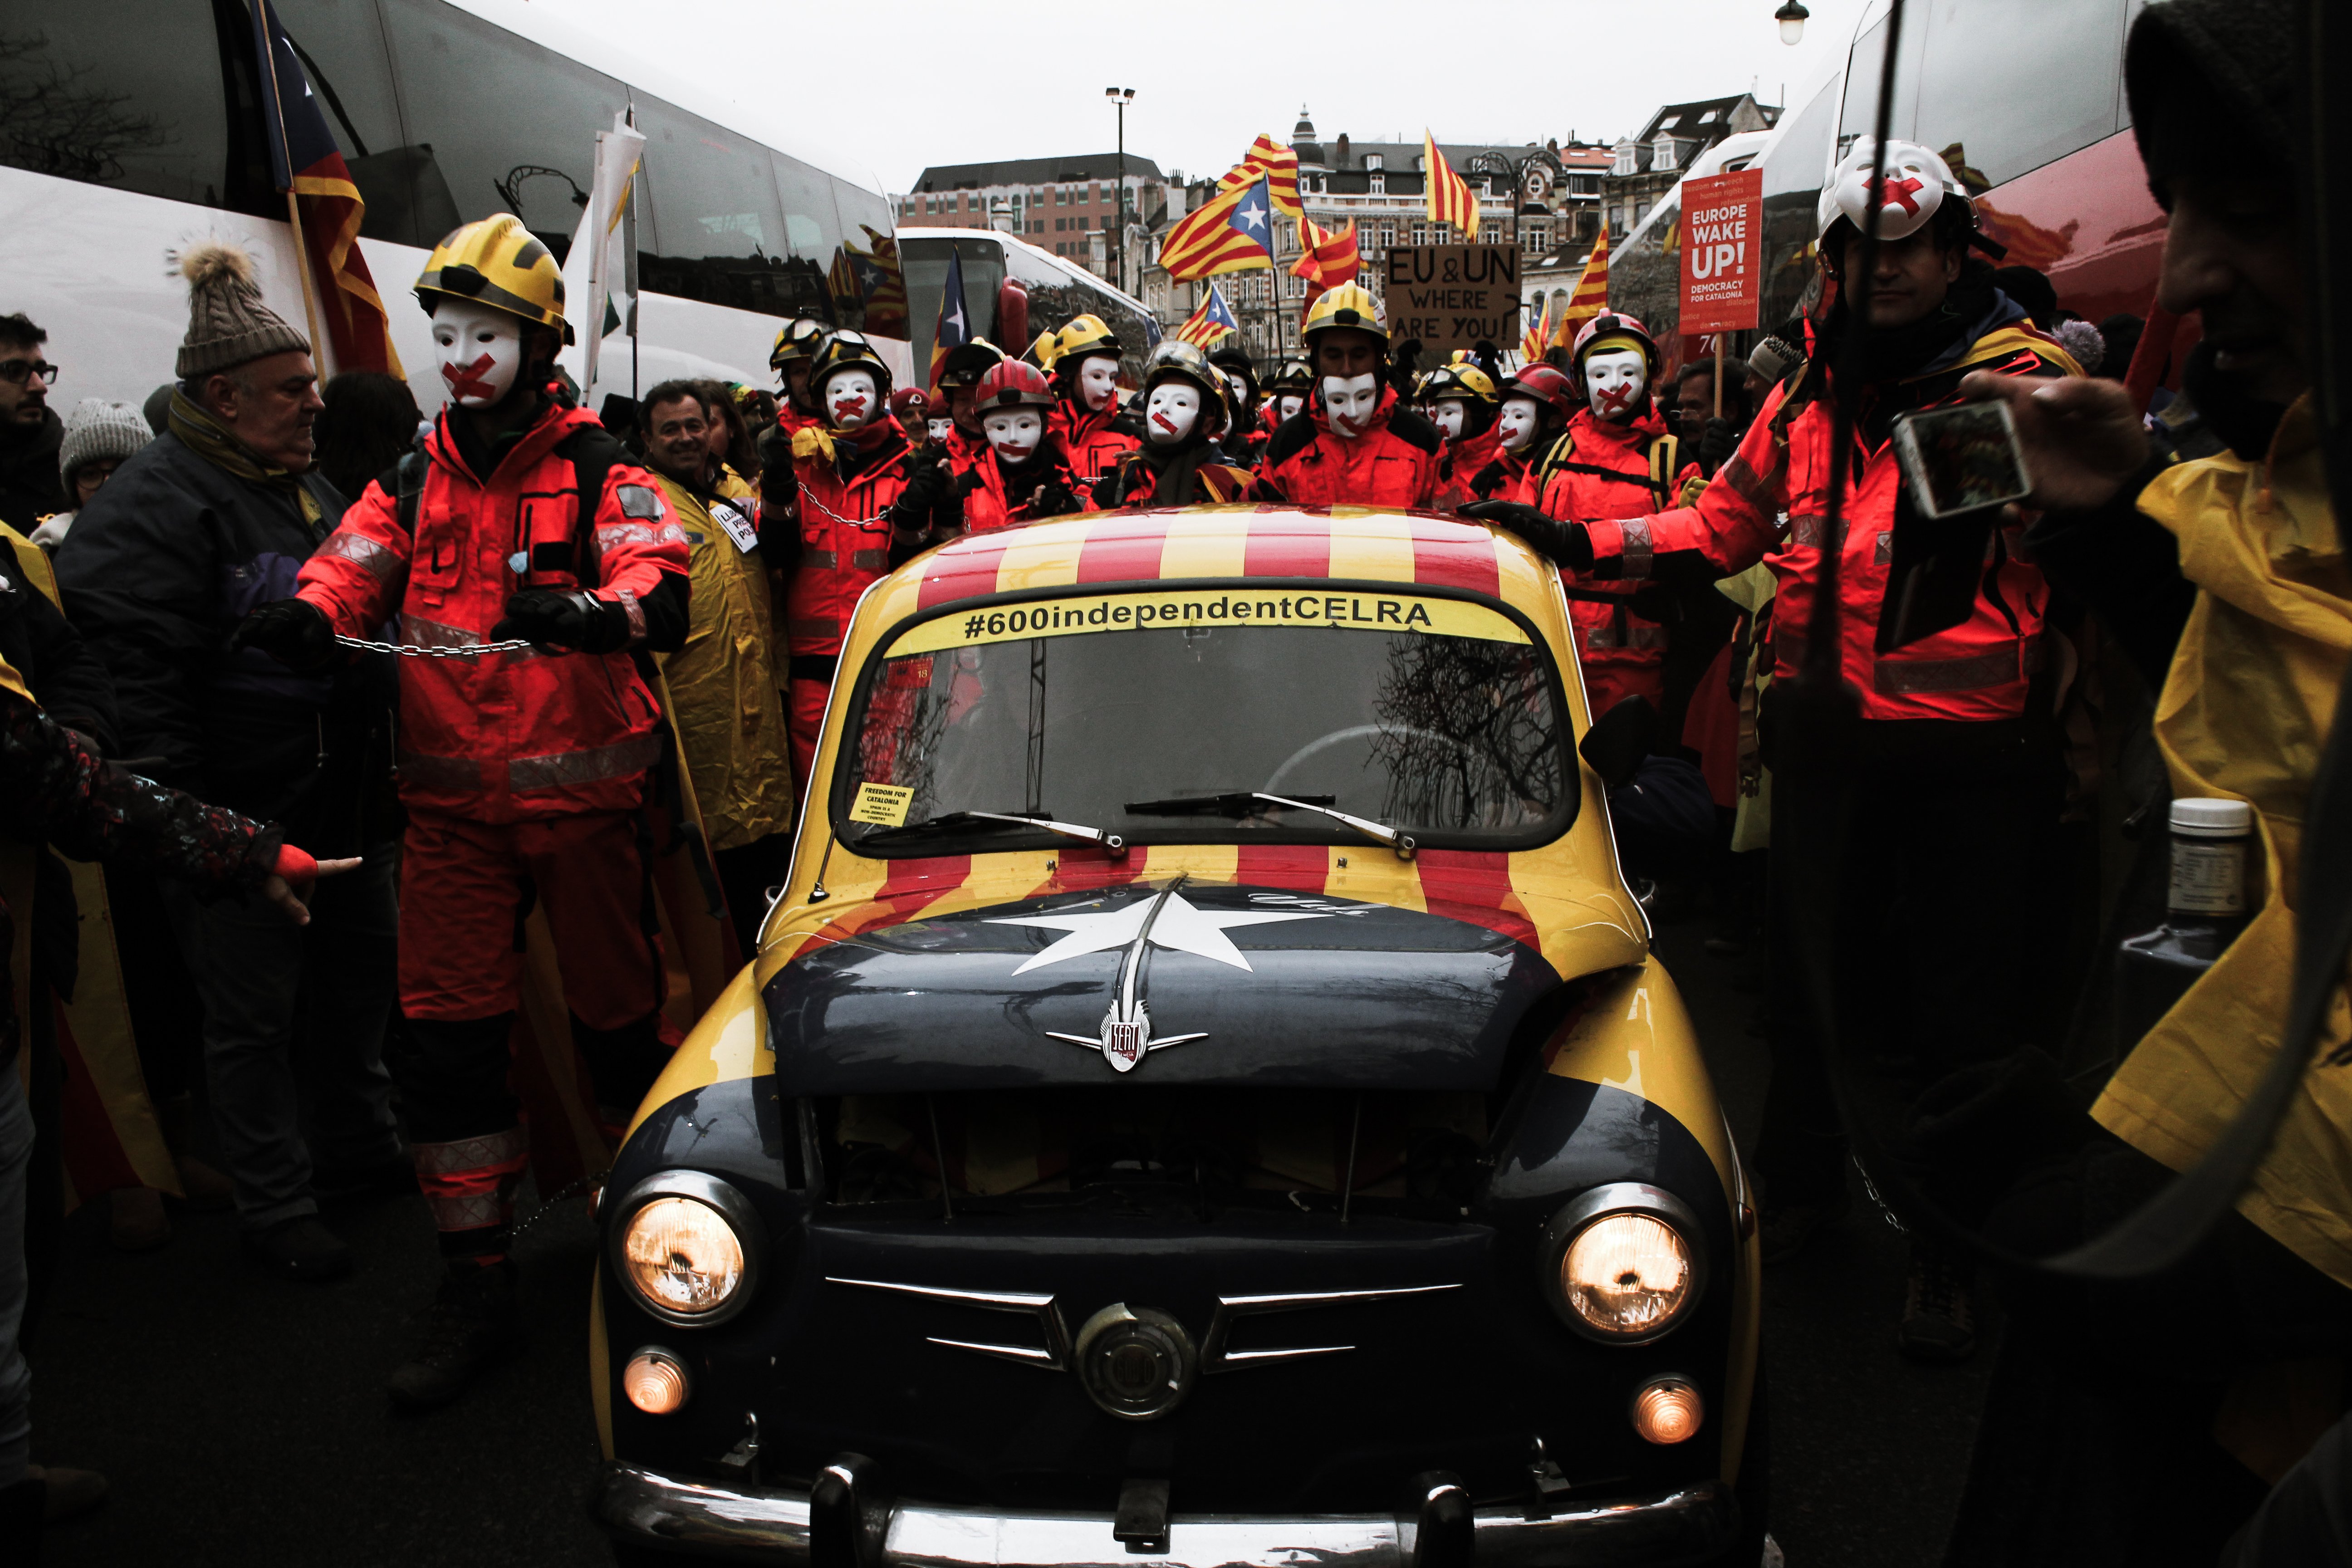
(885, 805)
(1209, 607)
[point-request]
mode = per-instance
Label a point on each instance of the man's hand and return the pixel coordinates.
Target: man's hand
(1054, 499)
(554, 617)
(1566, 542)
(2082, 439)
(294, 877)
(294, 632)
(1715, 445)
(912, 512)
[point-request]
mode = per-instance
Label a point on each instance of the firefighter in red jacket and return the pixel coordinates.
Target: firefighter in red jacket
(959, 376)
(1955, 769)
(863, 494)
(1286, 395)
(1354, 445)
(1464, 403)
(1088, 419)
(519, 520)
(1245, 437)
(1025, 476)
(1185, 413)
(1536, 405)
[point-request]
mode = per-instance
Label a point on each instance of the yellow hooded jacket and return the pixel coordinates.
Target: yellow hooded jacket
(2245, 714)
(722, 683)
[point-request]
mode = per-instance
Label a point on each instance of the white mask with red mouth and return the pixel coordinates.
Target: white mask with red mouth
(1613, 383)
(1014, 434)
(939, 427)
(1517, 423)
(1099, 382)
(1448, 417)
(850, 399)
(1170, 414)
(1288, 405)
(1351, 401)
(481, 351)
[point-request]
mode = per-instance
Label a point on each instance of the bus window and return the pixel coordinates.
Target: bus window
(463, 104)
(716, 231)
(925, 263)
(812, 222)
(124, 93)
(2014, 109)
(1864, 69)
(1058, 292)
(342, 49)
(1795, 167)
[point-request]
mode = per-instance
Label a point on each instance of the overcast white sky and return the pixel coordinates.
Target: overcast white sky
(918, 82)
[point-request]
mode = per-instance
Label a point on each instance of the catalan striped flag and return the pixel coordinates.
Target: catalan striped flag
(1449, 200)
(1591, 295)
(1212, 320)
(305, 163)
(1277, 166)
(1231, 232)
(1533, 341)
(1325, 259)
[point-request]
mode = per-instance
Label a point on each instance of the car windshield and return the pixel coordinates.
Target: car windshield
(1163, 717)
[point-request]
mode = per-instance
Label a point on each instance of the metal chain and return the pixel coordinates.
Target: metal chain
(569, 1190)
(847, 522)
(410, 650)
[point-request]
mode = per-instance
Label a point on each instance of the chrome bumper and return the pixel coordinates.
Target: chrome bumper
(1688, 1525)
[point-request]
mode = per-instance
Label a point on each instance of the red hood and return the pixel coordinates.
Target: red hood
(1472, 453)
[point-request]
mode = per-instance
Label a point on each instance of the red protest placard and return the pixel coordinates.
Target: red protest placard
(1723, 252)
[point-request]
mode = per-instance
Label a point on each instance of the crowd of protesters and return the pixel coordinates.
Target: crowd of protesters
(325, 844)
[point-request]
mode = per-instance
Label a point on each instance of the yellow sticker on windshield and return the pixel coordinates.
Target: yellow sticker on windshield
(1211, 607)
(885, 805)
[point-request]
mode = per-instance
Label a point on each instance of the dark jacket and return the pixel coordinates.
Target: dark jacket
(30, 486)
(161, 566)
(67, 678)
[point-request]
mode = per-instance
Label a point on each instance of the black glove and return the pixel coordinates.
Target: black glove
(1054, 498)
(912, 512)
(1716, 444)
(294, 632)
(1566, 542)
(551, 617)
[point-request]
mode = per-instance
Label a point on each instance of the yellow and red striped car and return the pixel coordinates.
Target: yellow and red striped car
(1203, 1096)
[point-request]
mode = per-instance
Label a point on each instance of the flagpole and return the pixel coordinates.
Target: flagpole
(629, 258)
(319, 344)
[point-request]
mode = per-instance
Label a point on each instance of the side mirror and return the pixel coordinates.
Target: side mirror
(1618, 740)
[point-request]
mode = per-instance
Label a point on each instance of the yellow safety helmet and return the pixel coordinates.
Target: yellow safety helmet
(1086, 335)
(1349, 305)
(495, 261)
(799, 340)
(846, 350)
(1462, 379)
(1043, 352)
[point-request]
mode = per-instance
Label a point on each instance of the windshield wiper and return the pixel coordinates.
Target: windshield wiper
(1241, 802)
(988, 820)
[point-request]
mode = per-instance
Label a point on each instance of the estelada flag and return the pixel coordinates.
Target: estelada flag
(1532, 342)
(304, 159)
(1449, 200)
(1276, 165)
(1591, 296)
(1229, 233)
(1212, 320)
(954, 330)
(1326, 260)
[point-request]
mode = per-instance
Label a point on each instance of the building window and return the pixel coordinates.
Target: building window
(1380, 184)
(1662, 156)
(1421, 234)
(1371, 160)
(1625, 163)
(1491, 232)
(1388, 235)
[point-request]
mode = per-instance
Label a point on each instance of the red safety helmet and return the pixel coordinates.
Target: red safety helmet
(1612, 323)
(1545, 384)
(1012, 384)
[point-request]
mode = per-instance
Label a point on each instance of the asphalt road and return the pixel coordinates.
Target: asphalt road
(242, 1421)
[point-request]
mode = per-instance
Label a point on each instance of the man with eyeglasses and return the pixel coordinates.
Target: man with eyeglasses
(29, 429)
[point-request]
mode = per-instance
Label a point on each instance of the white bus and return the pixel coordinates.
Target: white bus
(1057, 291)
(133, 131)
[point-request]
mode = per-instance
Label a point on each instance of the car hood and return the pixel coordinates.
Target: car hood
(1176, 982)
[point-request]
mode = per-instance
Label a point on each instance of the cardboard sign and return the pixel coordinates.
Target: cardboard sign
(1723, 252)
(1453, 296)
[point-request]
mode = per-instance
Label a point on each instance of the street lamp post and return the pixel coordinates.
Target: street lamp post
(1121, 97)
(1493, 163)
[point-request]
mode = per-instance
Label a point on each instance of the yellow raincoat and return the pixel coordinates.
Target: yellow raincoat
(2245, 714)
(722, 683)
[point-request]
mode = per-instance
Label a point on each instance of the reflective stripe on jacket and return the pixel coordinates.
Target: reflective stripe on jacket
(1392, 464)
(722, 683)
(506, 736)
(1977, 670)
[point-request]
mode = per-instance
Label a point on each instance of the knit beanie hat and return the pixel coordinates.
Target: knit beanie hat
(227, 324)
(96, 429)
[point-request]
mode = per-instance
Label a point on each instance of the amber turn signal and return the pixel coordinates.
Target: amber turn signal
(657, 1381)
(1668, 1410)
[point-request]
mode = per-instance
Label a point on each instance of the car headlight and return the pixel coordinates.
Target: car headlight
(687, 1247)
(1620, 1265)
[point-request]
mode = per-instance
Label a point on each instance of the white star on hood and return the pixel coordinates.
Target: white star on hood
(1180, 926)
